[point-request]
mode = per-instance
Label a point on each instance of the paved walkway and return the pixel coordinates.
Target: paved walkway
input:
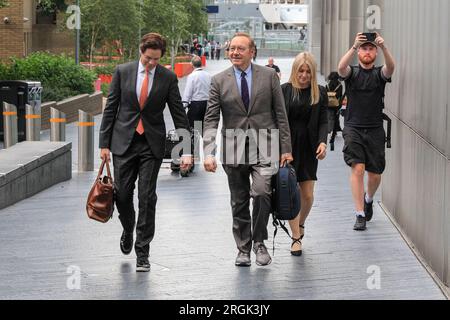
(46, 239)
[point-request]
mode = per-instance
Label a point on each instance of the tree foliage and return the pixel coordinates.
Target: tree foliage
(177, 20)
(50, 6)
(106, 21)
(120, 23)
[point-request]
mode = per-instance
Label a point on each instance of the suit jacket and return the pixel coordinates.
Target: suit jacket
(266, 109)
(318, 123)
(122, 112)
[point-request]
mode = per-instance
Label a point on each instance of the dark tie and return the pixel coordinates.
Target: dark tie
(244, 91)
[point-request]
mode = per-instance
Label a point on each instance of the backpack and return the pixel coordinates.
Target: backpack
(285, 198)
(333, 101)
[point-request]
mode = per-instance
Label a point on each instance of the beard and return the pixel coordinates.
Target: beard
(367, 60)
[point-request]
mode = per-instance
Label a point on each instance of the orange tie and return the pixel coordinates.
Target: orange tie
(142, 99)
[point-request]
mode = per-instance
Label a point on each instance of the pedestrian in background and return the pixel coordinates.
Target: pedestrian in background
(196, 92)
(364, 136)
(335, 88)
(217, 52)
(271, 64)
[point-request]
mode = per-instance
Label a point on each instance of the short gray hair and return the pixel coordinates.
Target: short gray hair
(196, 62)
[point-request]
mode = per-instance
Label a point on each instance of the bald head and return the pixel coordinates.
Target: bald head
(196, 62)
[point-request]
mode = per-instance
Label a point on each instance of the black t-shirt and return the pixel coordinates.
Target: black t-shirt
(365, 95)
(274, 67)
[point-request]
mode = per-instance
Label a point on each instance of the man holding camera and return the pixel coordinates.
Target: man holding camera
(364, 135)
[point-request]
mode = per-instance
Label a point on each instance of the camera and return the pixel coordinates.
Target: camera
(370, 36)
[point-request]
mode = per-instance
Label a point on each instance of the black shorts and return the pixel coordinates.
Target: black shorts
(366, 146)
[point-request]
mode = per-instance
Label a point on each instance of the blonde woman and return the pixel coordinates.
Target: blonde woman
(306, 104)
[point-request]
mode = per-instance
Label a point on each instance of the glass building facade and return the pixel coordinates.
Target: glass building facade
(274, 24)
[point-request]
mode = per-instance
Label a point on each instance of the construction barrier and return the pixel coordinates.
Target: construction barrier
(183, 69)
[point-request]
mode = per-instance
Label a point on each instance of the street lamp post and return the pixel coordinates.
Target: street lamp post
(77, 40)
(172, 54)
(141, 3)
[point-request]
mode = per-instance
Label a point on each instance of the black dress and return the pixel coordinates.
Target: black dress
(305, 162)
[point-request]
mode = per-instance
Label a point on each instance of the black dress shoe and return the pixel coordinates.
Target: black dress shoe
(360, 224)
(126, 242)
(142, 265)
(243, 259)
(368, 209)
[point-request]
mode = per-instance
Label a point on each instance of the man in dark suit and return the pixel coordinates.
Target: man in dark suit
(133, 129)
(251, 101)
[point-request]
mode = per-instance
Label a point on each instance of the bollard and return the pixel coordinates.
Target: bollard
(33, 123)
(9, 124)
(57, 125)
(85, 141)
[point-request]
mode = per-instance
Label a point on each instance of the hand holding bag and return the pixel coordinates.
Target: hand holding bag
(100, 201)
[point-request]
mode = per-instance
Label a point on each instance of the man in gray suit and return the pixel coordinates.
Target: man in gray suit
(251, 101)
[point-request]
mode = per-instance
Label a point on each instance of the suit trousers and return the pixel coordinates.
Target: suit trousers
(196, 112)
(241, 190)
(137, 162)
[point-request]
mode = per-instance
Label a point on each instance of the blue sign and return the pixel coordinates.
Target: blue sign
(212, 9)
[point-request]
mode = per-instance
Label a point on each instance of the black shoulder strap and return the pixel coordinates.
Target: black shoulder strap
(377, 72)
(278, 223)
(352, 79)
(339, 85)
(355, 72)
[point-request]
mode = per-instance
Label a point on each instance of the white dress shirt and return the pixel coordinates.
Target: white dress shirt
(197, 86)
(140, 79)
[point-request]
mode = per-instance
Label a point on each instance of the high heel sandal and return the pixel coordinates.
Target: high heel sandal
(297, 253)
(303, 234)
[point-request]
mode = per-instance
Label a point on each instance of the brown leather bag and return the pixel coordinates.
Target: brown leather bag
(100, 201)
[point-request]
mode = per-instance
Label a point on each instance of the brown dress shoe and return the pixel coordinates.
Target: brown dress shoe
(262, 255)
(243, 259)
